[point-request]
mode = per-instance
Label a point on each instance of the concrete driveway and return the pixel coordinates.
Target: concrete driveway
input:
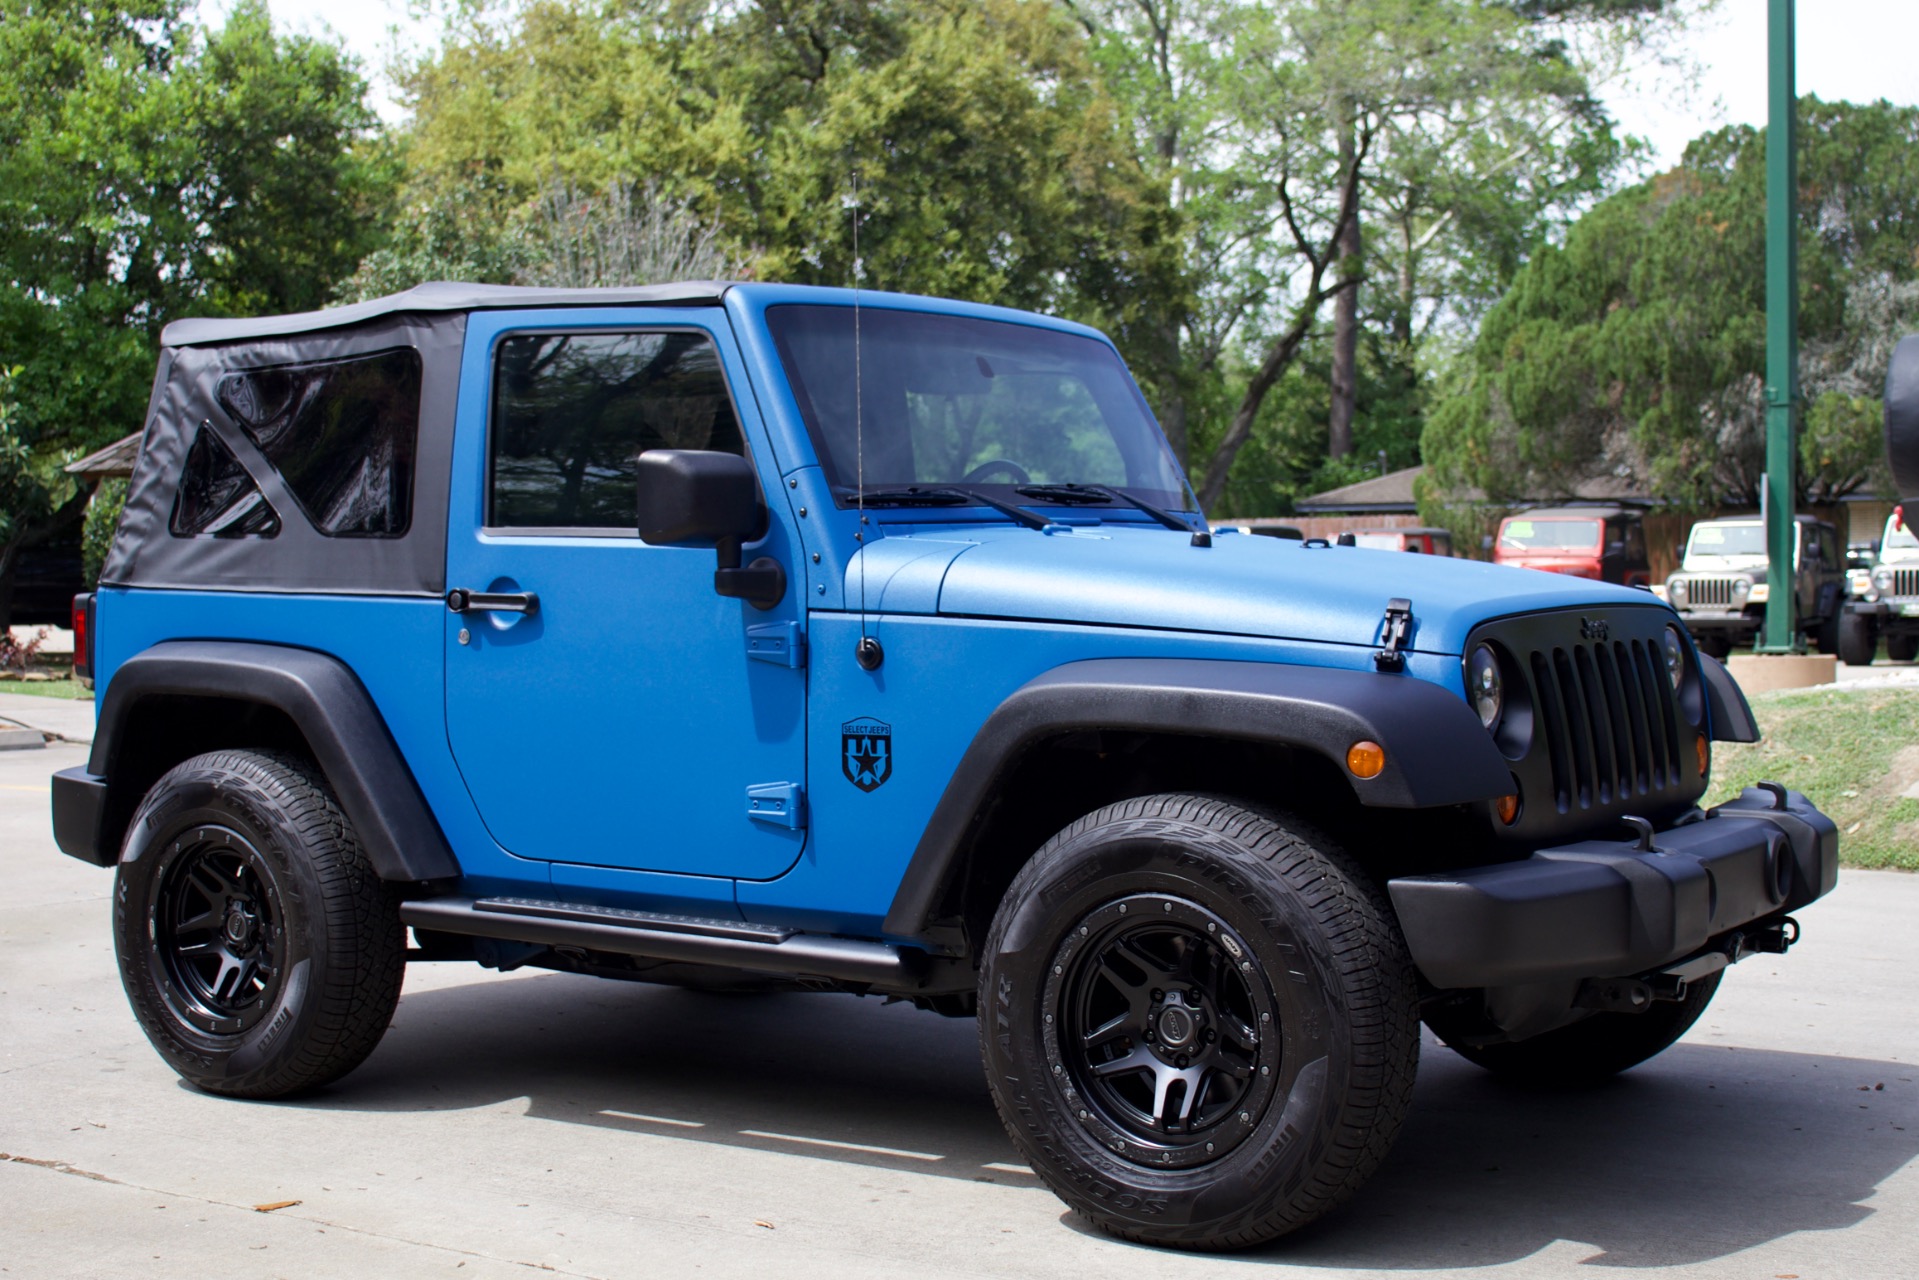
(547, 1123)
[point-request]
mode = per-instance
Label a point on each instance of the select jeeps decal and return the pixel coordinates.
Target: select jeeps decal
(866, 752)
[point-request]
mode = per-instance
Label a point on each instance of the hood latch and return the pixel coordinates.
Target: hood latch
(1394, 633)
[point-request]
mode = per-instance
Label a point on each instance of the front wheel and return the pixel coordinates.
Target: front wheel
(1902, 648)
(1858, 640)
(1198, 1021)
(260, 952)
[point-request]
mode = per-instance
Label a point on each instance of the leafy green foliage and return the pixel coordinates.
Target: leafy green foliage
(102, 519)
(1639, 346)
(988, 159)
(154, 170)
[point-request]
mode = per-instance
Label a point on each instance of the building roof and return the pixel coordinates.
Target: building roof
(439, 295)
(116, 460)
(1393, 492)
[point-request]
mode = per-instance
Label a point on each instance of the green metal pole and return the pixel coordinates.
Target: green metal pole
(1782, 333)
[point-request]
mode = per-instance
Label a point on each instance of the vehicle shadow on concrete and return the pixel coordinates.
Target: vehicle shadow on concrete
(1707, 1151)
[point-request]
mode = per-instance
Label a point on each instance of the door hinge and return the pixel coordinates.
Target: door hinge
(1394, 632)
(778, 804)
(779, 643)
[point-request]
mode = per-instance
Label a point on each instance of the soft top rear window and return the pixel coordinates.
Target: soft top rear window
(341, 433)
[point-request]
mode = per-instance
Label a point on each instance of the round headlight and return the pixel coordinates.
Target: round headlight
(1675, 656)
(1740, 586)
(1882, 578)
(1484, 686)
(1676, 591)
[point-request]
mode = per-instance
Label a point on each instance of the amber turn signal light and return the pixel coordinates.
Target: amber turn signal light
(1507, 807)
(1704, 751)
(1366, 758)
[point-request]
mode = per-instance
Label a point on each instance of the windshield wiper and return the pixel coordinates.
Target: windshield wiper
(1072, 493)
(948, 495)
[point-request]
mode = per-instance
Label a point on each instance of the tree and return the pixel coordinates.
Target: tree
(1462, 129)
(1639, 347)
(154, 169)
(989, 160)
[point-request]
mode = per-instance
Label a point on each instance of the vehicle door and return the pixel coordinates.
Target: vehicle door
(619, 720)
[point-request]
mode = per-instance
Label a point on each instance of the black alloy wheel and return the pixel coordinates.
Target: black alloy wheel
(1156, 1013)
(219, 931)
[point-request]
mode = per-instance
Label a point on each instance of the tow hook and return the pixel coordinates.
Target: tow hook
(1636, 995)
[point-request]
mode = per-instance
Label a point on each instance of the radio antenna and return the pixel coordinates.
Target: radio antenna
(867, 652)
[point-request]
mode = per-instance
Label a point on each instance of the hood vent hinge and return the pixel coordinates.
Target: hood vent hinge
(1394, 634)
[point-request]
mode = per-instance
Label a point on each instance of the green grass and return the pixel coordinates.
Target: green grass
(47, 688)
(1854, 754)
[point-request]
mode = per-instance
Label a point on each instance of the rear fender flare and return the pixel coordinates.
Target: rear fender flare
(326, 702)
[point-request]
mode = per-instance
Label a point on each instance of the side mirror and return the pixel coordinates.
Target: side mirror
(1902, 415)
(697, 497)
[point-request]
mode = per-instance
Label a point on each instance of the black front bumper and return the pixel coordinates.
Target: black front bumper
(1619, 908)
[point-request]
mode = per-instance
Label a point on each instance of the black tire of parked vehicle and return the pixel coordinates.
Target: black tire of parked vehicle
(1713, 644)
(1199, 1021)
(1902, 648)
(261, 954)
(1825, 636)
(1858, 639)
(1595, 1048)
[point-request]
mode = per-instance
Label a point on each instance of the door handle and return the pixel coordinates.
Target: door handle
(460, 600)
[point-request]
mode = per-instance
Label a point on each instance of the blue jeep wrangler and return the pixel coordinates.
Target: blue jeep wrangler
(709, 634)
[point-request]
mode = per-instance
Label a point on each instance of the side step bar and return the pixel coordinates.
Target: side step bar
(727, 944)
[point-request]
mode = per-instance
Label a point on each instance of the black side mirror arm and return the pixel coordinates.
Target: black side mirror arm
(761, 584)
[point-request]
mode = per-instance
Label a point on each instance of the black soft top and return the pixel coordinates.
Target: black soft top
(438, 296)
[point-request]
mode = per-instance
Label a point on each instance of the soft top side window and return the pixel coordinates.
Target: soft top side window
(572, 412)
(341, 433)
(216, 497)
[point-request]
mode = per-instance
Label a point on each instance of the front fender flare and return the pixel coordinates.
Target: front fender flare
(331, 709)
(1437, 752)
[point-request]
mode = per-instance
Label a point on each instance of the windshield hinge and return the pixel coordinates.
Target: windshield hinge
(777, 804)
(1394, 633)
(779, 643)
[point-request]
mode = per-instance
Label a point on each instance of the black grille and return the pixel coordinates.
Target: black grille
(1905, 582)
(1605, 711)
(1709, 591)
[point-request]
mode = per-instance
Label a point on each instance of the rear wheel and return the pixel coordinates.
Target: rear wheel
(1198, 1021)
(1858, 641)
(260, 952)
(1902, 648)
(1593, 1049)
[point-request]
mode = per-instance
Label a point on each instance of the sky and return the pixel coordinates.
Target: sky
(1850, 50)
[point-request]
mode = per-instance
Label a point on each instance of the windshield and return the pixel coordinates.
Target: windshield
(1377, 541)
(1521, 534)
(948, 400)
(1727, 540)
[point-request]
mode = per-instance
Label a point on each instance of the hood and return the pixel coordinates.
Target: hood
(1132, 575)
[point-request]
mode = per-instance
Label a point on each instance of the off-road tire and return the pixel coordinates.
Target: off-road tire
(1714, 645)
(1593, 1049)
(1825, 636)
(1902, 648)
(1858, 639)
(1282, 923)
(294, 983)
